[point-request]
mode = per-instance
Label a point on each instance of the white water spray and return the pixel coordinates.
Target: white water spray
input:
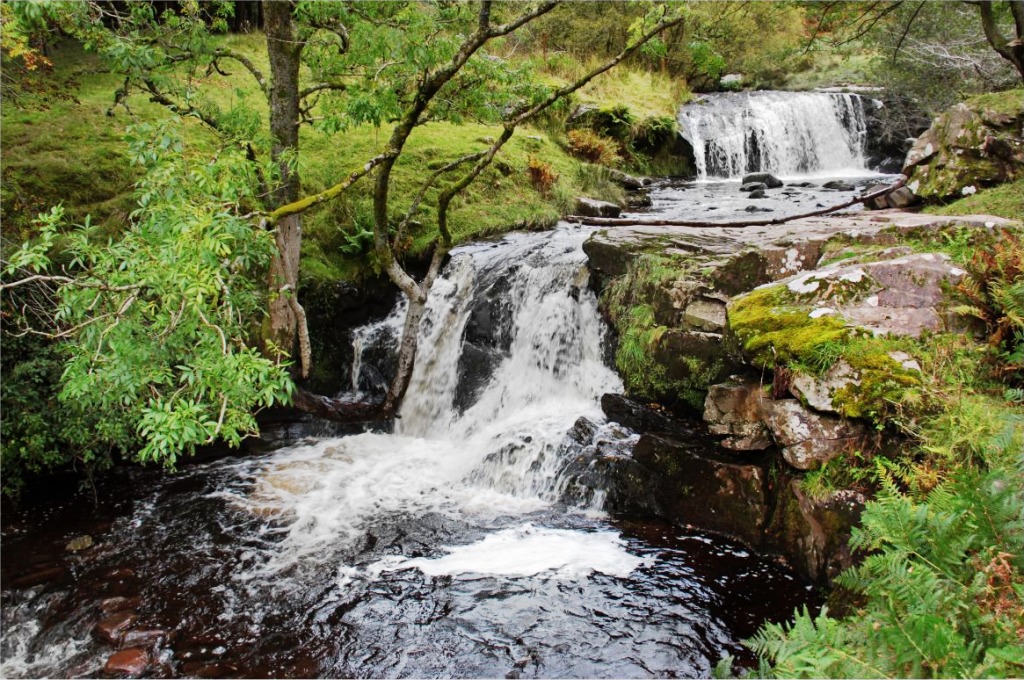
(500, 457)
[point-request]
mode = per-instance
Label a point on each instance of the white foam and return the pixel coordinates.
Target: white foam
(527, 550)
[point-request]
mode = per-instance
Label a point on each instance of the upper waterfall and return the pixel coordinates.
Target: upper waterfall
(785, 133)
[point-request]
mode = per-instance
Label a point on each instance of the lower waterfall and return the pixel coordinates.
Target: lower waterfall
(466, 543)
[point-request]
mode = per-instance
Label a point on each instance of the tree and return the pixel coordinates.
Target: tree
(332, 65)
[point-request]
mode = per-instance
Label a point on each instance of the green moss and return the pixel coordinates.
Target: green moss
(883, 386)
(774, 331)
(1009, 102)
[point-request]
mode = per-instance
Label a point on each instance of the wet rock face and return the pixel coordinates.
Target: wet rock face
(703, 491)
(969, 146)
(815, 533)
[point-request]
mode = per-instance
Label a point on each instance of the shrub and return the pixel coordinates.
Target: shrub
(542, 175)
(993, 292)
(591, 146)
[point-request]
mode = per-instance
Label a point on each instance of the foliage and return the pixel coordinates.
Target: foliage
(155, 324)
(774, 331)
(943, 587)
(993, 291)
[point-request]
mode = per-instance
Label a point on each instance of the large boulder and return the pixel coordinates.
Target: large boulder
(901, 296)
(975, 144)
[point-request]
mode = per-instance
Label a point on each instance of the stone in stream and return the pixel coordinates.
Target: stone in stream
(112, 628)
(639, 200)
(143, 637)
(757, 209)
(131, 662)
(119, 603)
(79, 543)
(753, 186)
(768, 179)
(838, 185)
(758, 193)
(590, 207)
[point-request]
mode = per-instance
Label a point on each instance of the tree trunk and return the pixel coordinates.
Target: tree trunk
(406, 353)
(1011, 50)
(287, 320)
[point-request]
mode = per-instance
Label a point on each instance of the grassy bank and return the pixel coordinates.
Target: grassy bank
(69, 149)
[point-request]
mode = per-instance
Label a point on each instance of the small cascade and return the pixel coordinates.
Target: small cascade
(505, 449)
(785, 133)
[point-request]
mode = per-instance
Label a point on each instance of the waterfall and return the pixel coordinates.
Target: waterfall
(785, 133)
(500, 452)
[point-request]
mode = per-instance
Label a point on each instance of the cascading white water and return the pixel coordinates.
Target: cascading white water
(499, 457)
(785, 133)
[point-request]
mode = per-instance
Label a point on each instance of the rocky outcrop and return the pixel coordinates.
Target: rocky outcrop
(902, 296)
(851, 276)
(974, 144)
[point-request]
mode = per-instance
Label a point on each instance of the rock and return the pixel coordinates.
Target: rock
(119, 604)
(79, 543)
(641, 417)
(758, 193)
(131, 662)
(639, 201)
(814, 534)
(906, 361)
(756, 209)
(143, 637)
(902, 296)
(731, 80)
(589, 207)
(838, 185)
(973, 144)
(628, 181)
(805, 185)
(808, 439)
(768, 179)
(753, 186)
(703, 491)
(901, 198)
(112, 628)
(875, 203)
(692, 358)
(817, 392)
(738, 410)
(705, 314)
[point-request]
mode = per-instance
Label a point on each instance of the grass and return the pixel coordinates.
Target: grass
(71, 151)
(1005, 200)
